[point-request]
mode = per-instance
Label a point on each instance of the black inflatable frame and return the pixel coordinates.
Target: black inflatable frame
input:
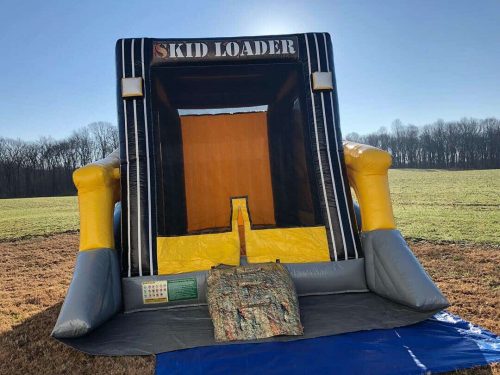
(146, 210)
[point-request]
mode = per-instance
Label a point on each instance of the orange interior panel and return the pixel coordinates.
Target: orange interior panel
(226, 156)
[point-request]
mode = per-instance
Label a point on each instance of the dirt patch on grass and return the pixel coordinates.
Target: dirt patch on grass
(36, 274)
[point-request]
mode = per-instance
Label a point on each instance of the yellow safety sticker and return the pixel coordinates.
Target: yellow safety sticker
(155, 291)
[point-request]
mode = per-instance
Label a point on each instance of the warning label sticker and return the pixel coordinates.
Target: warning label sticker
(182, 289)
(155, 291)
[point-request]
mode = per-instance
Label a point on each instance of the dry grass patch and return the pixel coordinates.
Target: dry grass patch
(469, 276)
(35, 277)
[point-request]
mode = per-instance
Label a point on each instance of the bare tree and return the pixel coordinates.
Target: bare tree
(104, 136)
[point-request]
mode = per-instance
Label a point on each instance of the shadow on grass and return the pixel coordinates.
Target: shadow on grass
(29, 349)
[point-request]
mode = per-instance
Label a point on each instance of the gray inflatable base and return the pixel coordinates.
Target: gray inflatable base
(152, 332)
(392, 271)
(94, 295)
(309, 279)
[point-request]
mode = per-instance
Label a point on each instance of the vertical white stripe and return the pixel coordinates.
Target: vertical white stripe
(144, 101)
(329, 156)
(318, 151)
(338, 158)
(128, 163)
(139, 249)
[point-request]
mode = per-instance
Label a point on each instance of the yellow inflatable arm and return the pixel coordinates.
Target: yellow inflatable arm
(98, 187)
(367, 168)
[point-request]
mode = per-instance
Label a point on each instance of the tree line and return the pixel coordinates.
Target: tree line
(44, 167)
(465, 144)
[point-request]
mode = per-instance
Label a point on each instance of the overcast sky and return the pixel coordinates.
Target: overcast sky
(414, 60)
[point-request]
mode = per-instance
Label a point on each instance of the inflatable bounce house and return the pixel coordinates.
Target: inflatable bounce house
(231, 154)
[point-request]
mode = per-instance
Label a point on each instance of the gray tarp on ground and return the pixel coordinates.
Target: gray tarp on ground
(151, 332)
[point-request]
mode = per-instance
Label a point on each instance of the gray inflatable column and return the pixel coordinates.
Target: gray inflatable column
(392, 271)
(94, 295)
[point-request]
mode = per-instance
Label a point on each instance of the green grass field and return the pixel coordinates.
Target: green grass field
(459, 206)
(447, 205)
(20, 218)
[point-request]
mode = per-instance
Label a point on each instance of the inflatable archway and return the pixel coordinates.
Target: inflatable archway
(231, 153)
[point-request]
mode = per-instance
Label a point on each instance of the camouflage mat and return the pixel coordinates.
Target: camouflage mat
(252, 302)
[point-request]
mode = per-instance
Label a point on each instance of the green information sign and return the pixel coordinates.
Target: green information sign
(182, 289)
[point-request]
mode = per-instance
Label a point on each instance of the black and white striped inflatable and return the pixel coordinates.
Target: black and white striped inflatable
(139, 150)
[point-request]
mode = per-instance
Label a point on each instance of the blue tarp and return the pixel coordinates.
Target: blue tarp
(442, 343)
